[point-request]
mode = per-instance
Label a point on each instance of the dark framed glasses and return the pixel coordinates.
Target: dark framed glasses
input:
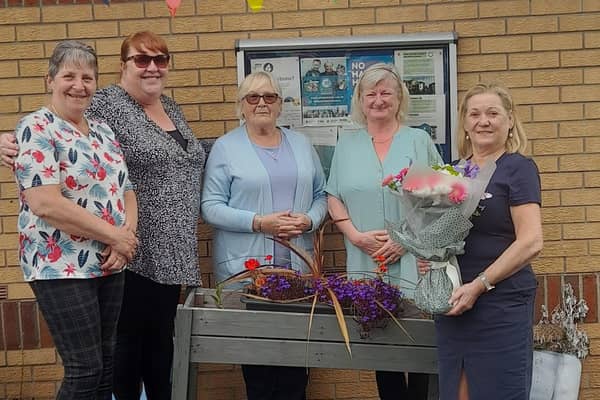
(254, 98)
(144, 60)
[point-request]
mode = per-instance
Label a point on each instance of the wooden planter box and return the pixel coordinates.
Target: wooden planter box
(230, 335)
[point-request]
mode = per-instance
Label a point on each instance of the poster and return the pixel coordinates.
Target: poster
(357, 65)
(325, 99)
(285, 71)
(323, 139)
(423, 74)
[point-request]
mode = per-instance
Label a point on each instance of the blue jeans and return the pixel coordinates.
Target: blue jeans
(82, 317)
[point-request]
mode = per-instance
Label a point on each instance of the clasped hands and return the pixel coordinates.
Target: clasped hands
(121, 249)
(379, 246)
(284, 224)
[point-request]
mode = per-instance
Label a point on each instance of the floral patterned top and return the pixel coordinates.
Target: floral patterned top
(91, 172)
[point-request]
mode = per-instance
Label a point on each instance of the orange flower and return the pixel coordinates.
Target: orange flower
(260, 281)
(251, 264)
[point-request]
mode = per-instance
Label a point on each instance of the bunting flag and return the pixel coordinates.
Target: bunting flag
(173, 6)
(107, 2)
(255, 5)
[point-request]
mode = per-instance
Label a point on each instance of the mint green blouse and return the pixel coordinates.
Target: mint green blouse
(355, 179)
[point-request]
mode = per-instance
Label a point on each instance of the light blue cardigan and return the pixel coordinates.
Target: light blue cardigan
(237, 187)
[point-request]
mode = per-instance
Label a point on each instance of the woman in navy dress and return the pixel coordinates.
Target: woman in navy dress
(485, 341)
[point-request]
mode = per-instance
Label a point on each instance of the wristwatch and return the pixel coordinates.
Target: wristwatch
(486, 283)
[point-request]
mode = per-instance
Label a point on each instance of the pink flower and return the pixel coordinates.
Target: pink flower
(458, 193)
(414, 183)
(387, 180)
(402, 174)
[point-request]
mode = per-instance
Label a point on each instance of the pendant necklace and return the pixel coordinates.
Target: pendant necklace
(274, 152)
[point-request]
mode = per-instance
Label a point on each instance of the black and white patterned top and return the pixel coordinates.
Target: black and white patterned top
(168, 182)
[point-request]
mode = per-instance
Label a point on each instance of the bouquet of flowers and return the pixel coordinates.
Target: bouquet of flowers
(437, 203)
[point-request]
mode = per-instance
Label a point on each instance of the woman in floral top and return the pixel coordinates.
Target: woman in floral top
(77, 222)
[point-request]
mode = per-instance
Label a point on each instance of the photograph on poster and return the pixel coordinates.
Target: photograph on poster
(325, 98)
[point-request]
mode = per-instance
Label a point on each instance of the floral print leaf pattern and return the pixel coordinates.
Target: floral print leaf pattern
(73, 156)
(26, 135)
(98, 191)
(36, 181)
(82, 258)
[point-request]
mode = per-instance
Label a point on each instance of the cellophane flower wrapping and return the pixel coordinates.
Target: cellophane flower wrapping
(437, 203)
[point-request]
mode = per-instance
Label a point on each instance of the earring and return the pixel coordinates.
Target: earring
(467, 137)
(510, 134)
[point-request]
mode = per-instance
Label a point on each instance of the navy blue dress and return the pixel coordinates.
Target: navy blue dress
(493, 340)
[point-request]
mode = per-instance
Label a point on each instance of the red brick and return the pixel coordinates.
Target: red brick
(590, 294)
(539, 298)
(10, 314)
(29, 325)
(553, 292)
(574, 281)
(45, 336)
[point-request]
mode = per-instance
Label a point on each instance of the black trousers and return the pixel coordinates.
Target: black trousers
(82, 317)
(144, 352)
(265, 382)
(393, 386)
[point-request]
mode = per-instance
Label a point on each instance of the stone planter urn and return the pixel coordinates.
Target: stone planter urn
(556, 376)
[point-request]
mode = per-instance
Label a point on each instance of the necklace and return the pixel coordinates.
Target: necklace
(382, 141)
(273, 152)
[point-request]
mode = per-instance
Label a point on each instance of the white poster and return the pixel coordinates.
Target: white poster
(423, 74)
(285, 70)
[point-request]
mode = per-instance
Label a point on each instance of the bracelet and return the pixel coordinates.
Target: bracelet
(483, 279)
(257, 223)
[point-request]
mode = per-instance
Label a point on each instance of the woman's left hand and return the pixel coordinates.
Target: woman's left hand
(113, 260)
(464, 298)
(391, 250)
(293, 225)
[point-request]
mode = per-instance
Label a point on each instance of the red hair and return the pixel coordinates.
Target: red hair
(148, 39)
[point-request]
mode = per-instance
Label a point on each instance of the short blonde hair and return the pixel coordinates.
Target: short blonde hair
(251, 82)
(515, 143)
(369, 79)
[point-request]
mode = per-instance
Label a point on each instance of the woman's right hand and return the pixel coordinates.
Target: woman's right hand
(124, 242)
(368, 241)
(423, 266)
(8, 149)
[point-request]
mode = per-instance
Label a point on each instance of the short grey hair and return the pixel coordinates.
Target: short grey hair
(369, 79)
(251, 82)
(72, 52)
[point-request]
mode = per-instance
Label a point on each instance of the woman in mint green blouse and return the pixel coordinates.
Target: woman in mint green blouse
(361, 205)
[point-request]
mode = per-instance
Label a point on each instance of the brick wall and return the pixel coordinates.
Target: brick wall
(546, 51)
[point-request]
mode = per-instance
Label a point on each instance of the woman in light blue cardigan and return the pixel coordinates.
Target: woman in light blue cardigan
(263, 181)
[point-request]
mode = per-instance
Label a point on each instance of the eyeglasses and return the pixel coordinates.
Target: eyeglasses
(144, 60)
(254, 98)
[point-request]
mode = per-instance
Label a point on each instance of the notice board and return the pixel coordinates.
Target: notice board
(317, 77)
